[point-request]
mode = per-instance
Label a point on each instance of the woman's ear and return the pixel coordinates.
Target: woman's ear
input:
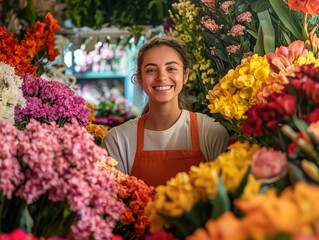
(186, 75)
(139, 80)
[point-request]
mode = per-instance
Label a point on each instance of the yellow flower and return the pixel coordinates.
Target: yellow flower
(240, 87)
(176, 197)
(205, 178)
(234, 164)
(307, 59)
(98, 131)
(252, 187)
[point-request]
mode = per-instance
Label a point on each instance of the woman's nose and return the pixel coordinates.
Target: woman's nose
(162, 75)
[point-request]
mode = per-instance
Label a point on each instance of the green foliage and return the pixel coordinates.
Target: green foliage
(123, 13)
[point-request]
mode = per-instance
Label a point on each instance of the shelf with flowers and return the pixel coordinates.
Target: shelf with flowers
(114, 110)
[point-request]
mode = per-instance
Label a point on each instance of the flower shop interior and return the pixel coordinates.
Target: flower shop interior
(66, 79)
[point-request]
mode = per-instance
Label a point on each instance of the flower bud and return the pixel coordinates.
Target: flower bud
(311, 169)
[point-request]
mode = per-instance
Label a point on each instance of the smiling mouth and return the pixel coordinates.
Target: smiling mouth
(162, 88)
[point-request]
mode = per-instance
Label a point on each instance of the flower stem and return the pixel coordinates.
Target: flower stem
(305, 33)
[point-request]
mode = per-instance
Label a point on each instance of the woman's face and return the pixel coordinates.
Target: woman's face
(162, 76)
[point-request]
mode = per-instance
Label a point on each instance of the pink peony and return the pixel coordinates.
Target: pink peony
(269, 165)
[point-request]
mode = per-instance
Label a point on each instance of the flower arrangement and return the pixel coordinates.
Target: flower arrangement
(52, 172)
(251, 82)
(34, 50)
(233, 30)
(51, 184)
(268, 97)
(10, 93)
(237, 91)
(50, 101)
(287, 121)
(113, 111)
(190, 199)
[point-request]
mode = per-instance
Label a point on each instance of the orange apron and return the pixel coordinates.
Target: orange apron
(155, 167)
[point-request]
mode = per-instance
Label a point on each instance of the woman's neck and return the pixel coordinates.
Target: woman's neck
(162, 119)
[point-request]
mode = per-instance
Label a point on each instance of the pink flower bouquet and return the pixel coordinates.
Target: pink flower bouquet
(51, 182)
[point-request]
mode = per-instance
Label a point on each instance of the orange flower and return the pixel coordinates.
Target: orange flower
(282, 64)
(41, 39)
(305, 6)
(227, 227)
(38, 43)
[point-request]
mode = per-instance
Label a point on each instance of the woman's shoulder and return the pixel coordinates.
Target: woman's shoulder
(202, 117)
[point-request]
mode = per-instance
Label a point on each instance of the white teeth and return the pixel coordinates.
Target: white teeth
(162, 88)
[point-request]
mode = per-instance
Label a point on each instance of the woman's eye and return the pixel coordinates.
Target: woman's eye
(172, 69)
(150, 70)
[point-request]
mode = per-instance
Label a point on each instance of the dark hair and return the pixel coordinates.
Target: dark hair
(171, 42)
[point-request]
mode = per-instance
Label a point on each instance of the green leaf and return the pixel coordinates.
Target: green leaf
(260, 6)
(300, 124)
(259, 46)
(286, 15)
(26, 221)
(268, 31)
(252, 33)
(221, 202)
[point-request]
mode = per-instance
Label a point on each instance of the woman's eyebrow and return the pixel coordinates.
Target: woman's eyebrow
(168, 63)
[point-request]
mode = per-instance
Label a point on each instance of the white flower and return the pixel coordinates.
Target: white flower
(11, 94)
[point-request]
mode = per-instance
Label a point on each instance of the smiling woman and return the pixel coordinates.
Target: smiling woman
(167, 138)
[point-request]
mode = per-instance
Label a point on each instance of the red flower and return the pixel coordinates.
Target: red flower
(18, 234)
(307, 80)
(268, 115)
(160, 235)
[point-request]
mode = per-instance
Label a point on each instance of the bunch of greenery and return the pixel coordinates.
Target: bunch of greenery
(123, 13)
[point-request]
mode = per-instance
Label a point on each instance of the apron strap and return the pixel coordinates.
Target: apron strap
(194, 130)
(140, 133)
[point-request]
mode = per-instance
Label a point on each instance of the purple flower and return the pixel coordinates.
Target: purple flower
(51, 101)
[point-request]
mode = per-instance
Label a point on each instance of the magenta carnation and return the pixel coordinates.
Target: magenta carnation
(50, 101)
